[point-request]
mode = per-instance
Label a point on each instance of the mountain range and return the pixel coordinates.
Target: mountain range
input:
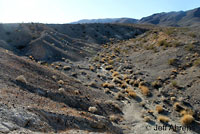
(178, 19)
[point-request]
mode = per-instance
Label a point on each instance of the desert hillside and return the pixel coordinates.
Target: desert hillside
(99, 79)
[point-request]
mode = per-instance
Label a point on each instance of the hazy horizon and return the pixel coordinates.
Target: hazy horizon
(66, 11)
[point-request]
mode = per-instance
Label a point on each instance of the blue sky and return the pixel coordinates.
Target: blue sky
(64, 11)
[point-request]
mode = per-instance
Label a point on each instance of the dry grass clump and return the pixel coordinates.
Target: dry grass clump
(114, 104)
(178, 107)
(156, 84)
(103, 60)
(144, 90)
(163, 119)
(91, 68)
(128, 90)
(77, 92)
(92, 109)
(123, 85)
(171, 61)
(189, 47)
(110, 62)
(159, 108)
(115, 74)
(187, 119)
(186, 111)
(147, 119)
(106, 90)
(162, 43)
(54, 77)
(132, 94)
(117, 80)
(173, 98)
(128, 81)
(115, 118)
(92, 84)
(21, 78)
(66, 67)
(109, 67)
(119, 96)
(197, 62)
(174, 83)
(126, 77)
(108, 85)
(61, 90)
(61, 82)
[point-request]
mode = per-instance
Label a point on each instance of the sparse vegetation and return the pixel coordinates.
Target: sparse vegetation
(174, 84)
(163, 119)
(61, 82)
(159, 108)
(187, 119)
(108, 85)
(145, 90)
(109, 67)
(197, 62)
(171, 61)
(21, 78)
(162, 43)
(189, 47)
(92, 109)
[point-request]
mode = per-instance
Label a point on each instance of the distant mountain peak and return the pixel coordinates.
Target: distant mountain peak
(173, 18)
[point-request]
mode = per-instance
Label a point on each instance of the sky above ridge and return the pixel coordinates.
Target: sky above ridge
(65, 11)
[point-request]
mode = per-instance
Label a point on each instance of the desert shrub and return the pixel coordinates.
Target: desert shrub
(187, 119)
(115, 74)
(147, 119)
(162, 43)
(108, 85)
(159, 108)
(193, 35)
(115, 118)
(119, 96)
(173, 98)
(124, 85)
(149, 47)
(109, 67)
(117, 80)
(132, 94)
(186, 111)
(176, 44)
(110, 62)
(178, 107)
(77, 92)
(156, 84)
(91, 68)
(169, 31)
(106, 90)
(144, 90)
(92, 109)
(61, 90)
(174, 83)
(66, 67)
(171, 61)
(93, 84)
(163, 119)
(197, 62)
(61, 82)
(189, 47)
(128, 89)
(21, 78)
